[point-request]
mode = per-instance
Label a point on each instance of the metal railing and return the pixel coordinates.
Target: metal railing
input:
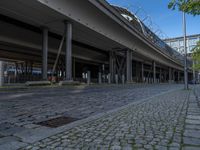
(146, 30)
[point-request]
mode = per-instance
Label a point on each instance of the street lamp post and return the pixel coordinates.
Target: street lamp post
(185, 57)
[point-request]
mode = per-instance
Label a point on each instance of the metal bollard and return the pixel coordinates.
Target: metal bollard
(99, 78)
(88, 77)
(116, 78)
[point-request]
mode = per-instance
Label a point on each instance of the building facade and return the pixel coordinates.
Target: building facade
(177, 43)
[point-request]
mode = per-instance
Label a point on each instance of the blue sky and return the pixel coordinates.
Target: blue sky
(170, 22)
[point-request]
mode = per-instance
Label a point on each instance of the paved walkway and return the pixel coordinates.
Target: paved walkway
(145, 121)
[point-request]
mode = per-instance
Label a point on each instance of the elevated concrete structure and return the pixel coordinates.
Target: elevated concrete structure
(97, 39)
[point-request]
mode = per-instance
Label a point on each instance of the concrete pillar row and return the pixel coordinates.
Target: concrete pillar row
(129, 66)
(1, 73)
(68, 51)
(45, 54)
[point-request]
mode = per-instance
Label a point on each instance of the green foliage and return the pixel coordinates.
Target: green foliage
(196, 56)
(188, 6)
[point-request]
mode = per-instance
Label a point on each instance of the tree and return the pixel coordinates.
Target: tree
(188, 6)
(196, 57)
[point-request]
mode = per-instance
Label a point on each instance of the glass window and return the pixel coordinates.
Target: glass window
(174, 44)
(181, 43)
(193, 41)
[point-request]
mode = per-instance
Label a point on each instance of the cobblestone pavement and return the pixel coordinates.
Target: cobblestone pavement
(191, 136)
(153, 123)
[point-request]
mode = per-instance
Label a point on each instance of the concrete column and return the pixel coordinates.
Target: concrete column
(154, 71)
(178, 76)
(170, 75)
(165, 76)
(142, 72)
(116, 78)
(68, 51)
(111, 66)
(123, 79)
(160, 76)
(109, 79)
(137, 72)
(99, 78)
(1, 73)
(173, 75)
(74, 68)
(45, 54)
(88, 77)
(129, 65)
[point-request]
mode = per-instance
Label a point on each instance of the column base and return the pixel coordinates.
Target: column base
(69, 82)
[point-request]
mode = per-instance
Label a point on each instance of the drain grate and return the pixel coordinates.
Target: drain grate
(57, 122)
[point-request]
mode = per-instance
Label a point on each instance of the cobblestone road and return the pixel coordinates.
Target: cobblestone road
(155, 124)
(159, 122)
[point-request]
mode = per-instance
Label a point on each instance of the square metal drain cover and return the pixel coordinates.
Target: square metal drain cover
(57, 122)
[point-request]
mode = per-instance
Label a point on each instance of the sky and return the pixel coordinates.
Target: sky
(168, 21)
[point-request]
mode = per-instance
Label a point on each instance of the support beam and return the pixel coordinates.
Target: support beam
(154, 71)
(129, 66)
(1, 73)
(68, 51)
(45, 54)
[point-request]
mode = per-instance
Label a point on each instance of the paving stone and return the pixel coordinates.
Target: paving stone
(174, 148)
(190, 148)
(192, 126)
(192, 133)
(8, 139)
(191, 141)
(194, 117)
(12, 131)
(12, 145)
(192, 121)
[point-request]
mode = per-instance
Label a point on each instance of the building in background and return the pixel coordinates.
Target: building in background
(177, 43)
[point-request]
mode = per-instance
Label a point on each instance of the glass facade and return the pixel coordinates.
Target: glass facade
(177, 43)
